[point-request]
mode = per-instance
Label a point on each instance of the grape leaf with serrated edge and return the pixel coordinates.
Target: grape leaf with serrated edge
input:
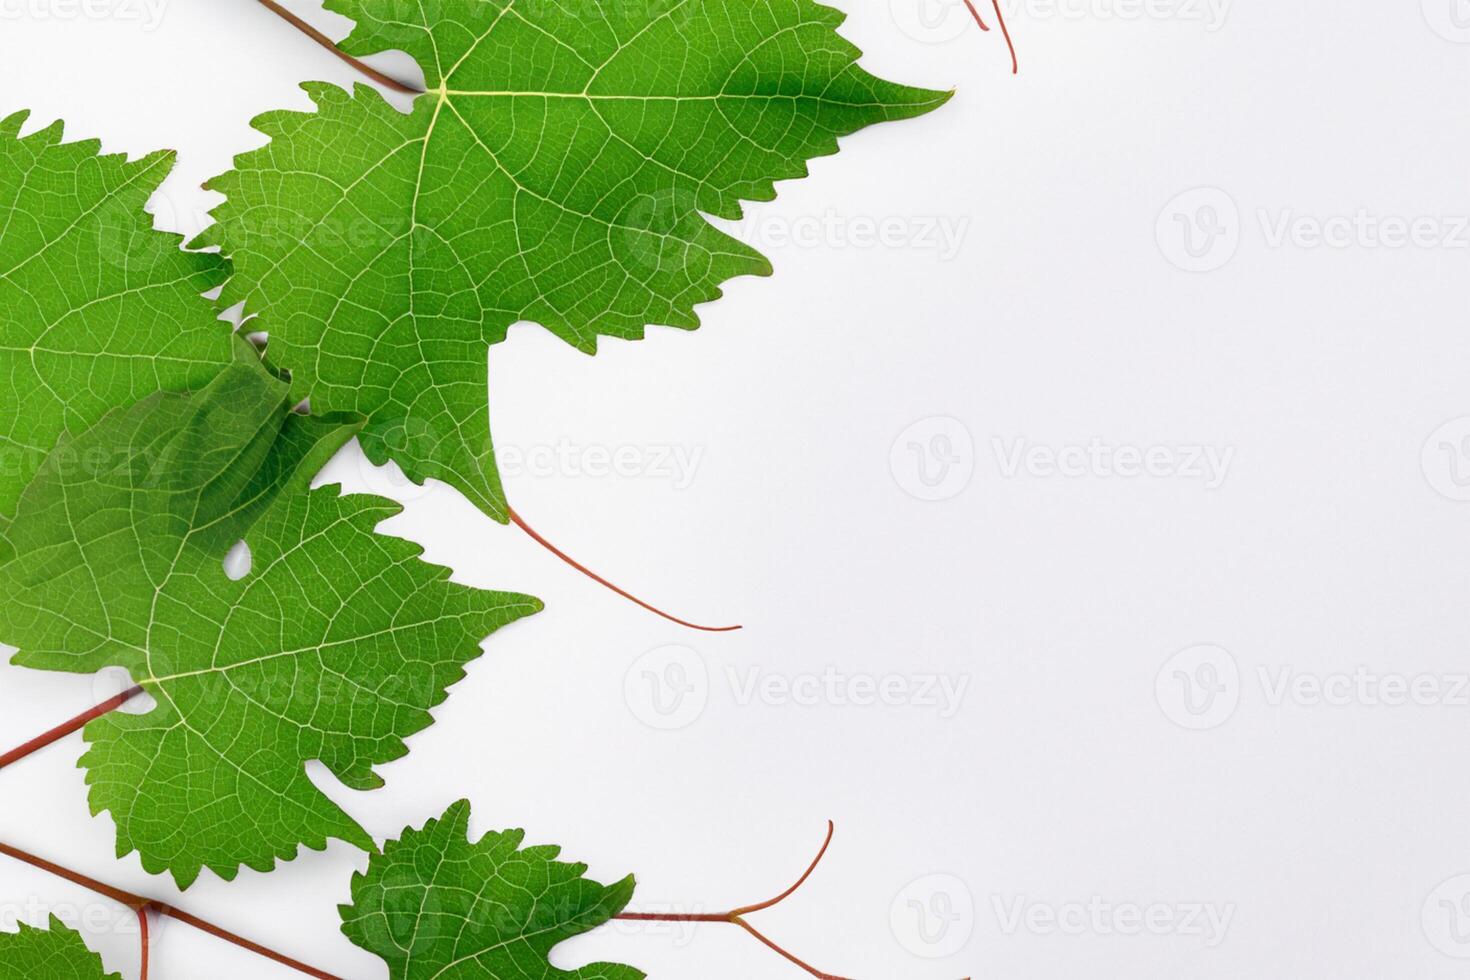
(333, 648)
(57, 953)
(434, 904)
(555, 172)
(99, 309)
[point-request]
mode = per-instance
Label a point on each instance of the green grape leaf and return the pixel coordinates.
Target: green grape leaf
(333, 647)
(57, 953)
(555, 172)
(434, 904)
(99, 309)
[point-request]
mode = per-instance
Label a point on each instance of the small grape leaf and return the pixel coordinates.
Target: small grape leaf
(434, 904)
(555, 172)
(57, 953)
(333, 648)
(99, 309)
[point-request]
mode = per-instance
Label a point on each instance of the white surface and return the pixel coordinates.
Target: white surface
(1073, 773)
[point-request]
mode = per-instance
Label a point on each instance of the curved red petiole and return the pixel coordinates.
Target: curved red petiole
(142, 906)
(398, 86)
(67, 727)
(520, 522)
(737, 916)
(326, 42)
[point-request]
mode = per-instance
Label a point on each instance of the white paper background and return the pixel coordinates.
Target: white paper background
(1069, 819)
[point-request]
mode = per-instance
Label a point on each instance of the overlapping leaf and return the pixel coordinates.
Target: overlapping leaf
(434, 904)
(555, 173)
(99, 309)
(57, 953)
(333, 648)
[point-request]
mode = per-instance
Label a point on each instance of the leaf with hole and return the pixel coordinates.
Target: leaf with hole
(333, 648)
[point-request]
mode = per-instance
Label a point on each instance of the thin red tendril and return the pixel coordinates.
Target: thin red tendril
(326, 42)
(520, 522)
(976, 14)
(737, 916)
